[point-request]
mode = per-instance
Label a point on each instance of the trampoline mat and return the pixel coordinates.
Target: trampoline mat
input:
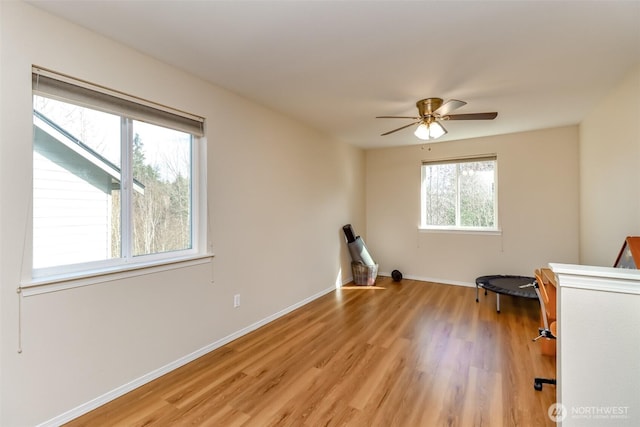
(508, 285)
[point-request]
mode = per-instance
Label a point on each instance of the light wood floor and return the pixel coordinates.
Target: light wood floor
(407, 354)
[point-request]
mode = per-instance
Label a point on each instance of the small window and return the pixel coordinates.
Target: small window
(460, 194)
(115, 182)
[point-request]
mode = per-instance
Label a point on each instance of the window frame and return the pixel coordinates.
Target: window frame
(127, 264)
(495, 229)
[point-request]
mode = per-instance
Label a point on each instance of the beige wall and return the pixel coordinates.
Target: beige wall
(538, 208)
(278, 193)
(610, 173)
(278, 196)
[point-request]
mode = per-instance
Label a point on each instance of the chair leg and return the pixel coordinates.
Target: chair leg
(537, 382)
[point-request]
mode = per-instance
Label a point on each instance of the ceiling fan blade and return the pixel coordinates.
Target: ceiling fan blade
(397, 117)
(449, 106)
(471, 116)
(396, 130)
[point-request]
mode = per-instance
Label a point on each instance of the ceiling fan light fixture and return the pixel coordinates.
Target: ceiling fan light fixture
(436, 130)
(422, 131)
(429, 130)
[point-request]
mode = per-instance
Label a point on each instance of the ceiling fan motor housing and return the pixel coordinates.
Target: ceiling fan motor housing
(427, 106)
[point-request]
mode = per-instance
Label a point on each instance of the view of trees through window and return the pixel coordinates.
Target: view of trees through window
(161, 217)
(459, 194)
(79, 186)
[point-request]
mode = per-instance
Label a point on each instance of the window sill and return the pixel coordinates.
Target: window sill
(458, 230)
(61, 282)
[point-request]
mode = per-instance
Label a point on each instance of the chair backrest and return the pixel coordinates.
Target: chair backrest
(548, 295)
(550, 292)
(547, 300)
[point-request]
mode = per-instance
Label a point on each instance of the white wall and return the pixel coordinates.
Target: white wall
(610, 173)
(278, 193)
(538, 208)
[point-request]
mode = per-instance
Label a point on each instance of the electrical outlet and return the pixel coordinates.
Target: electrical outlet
(236, 301)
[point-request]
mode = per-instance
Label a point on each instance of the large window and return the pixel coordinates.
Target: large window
(115, 179)
(460, 194)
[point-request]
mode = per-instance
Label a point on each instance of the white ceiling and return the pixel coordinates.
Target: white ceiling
(335, 65)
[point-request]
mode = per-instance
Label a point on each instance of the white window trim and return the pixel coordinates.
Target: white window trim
(453, 229)
(461, 230)
(61, 282)
(52, 279)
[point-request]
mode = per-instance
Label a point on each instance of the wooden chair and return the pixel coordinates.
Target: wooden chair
(549, 330)
(548, 293)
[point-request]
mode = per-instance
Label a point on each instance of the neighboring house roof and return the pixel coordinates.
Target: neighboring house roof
(62, 136)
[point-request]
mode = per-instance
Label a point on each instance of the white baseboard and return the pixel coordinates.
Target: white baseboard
(434, 280)
(126, 388)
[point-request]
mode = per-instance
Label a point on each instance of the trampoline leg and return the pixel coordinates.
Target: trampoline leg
(498, 303)
(476, 292)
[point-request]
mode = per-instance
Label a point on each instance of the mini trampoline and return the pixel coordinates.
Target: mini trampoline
(507, 285)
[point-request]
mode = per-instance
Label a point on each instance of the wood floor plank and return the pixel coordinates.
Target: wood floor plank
(400, 354)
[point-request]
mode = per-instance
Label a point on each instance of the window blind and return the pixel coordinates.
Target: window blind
(481, 158)
(64, 88)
